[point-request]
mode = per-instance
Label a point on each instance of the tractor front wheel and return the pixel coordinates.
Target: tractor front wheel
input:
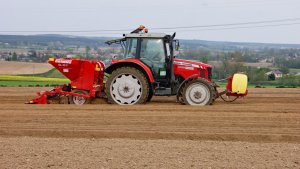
(198, 92)
(127, 86)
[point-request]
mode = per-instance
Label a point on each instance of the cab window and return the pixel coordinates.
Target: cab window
(153, 54)
(130, 50)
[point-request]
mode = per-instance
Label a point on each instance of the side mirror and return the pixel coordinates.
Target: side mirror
(177, 45)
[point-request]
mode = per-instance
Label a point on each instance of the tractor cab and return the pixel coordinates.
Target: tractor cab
(154, 50)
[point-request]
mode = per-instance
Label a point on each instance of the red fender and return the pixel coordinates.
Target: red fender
(133, 62)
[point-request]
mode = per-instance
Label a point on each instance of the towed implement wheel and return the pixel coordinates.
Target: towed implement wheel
(198, 92)
(79, 100)
(127, 86)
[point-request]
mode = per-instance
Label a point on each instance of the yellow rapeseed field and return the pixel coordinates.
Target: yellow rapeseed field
(30, 78)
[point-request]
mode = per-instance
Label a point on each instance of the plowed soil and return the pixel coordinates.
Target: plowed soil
(15, 68)
(261, 130)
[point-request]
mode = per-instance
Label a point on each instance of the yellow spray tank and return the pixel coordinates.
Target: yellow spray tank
(239, 83)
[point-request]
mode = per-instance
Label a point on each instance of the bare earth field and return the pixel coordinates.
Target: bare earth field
(260, 131)
(14, 68)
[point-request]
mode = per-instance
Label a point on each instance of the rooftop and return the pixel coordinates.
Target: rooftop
(146, 35)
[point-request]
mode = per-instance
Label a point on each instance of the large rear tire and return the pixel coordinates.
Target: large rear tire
(198, 92)
(127, 86)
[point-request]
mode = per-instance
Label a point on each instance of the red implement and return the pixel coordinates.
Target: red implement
(85, 76)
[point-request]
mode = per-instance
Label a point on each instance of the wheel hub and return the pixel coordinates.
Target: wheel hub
(197, 94)
(79, 100)
(126, 89)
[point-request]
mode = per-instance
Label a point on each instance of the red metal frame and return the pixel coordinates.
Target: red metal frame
(42, 97)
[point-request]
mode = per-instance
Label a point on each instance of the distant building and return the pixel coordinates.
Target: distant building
(277, 74)
(70, 56)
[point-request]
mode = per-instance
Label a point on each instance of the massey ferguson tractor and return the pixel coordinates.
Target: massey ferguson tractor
(147, 68)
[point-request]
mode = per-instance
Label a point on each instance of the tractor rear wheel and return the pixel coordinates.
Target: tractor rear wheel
(79, 100)
(127, 86)
(198, 92)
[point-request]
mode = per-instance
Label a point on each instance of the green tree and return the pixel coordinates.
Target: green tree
(87, 51)
(77, 56)
(237, 56)
(259, 76)
(271, 77)
(204, 59)
(14, 57)
(284, 69)
(33, 53)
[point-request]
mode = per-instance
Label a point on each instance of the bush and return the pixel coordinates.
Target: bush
(259, 86)
(271, 77)
(290, 81)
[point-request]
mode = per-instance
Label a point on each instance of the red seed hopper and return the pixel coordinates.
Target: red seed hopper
(86, 78)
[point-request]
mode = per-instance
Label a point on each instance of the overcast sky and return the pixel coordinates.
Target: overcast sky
(84, 15)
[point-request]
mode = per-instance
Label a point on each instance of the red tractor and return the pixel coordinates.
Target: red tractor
(147, 68)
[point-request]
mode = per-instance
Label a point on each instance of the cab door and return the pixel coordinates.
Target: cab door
(153, 53)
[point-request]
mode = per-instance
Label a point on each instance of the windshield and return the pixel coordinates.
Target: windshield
(130, 50)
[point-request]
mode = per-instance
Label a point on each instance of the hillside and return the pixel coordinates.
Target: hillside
(52, 73)
(44, 40)
(222, 45)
